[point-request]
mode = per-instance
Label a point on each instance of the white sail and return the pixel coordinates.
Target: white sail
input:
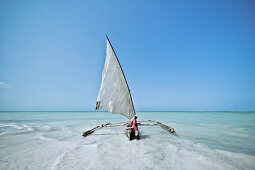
(114, 95)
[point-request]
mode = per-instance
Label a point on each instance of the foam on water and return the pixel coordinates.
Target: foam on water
(54, 141)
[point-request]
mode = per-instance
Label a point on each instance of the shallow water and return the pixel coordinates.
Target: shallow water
(52, 140)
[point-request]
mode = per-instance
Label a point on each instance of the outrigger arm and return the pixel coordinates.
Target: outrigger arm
(151, 123)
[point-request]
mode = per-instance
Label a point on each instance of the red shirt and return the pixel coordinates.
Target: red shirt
(134, 123)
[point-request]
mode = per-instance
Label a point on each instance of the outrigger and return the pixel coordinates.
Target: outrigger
(129, 129)
(115, 97)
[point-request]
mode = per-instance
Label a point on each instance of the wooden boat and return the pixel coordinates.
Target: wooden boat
(114, 95)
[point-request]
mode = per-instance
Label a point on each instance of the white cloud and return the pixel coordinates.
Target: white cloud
(4, 85)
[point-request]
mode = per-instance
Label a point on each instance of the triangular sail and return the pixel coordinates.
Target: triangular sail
(114, 95)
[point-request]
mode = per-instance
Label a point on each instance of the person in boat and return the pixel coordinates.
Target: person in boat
(134, 125)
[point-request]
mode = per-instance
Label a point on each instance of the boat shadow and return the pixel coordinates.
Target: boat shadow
(144, 136)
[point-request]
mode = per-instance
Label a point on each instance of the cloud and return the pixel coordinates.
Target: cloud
(4, 85)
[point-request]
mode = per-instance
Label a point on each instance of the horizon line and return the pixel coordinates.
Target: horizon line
(109, 112)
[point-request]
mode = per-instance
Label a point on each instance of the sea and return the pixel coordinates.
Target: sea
(53, 140)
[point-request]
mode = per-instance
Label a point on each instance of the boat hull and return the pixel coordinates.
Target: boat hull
(130, 133)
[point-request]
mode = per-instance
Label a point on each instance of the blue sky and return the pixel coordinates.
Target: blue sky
(177, 55)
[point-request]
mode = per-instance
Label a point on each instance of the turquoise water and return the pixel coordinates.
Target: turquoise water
(52, 140)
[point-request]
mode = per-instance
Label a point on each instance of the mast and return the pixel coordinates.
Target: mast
(122, 73)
